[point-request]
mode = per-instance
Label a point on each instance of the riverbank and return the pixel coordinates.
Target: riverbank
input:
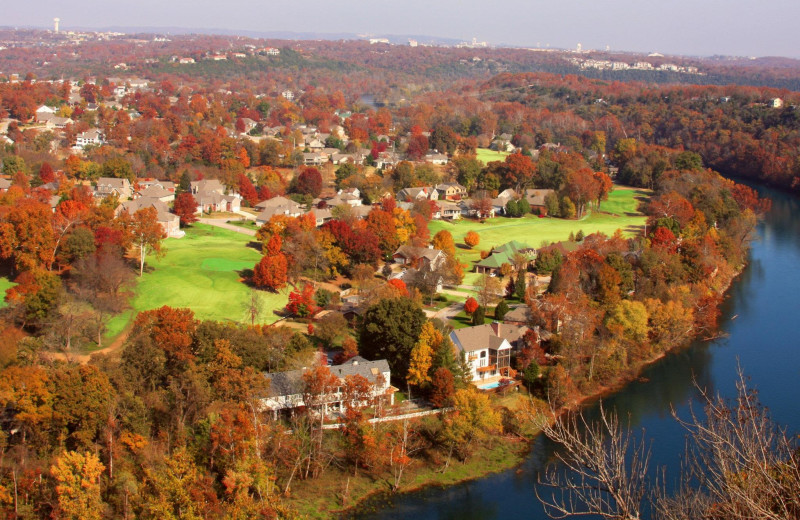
(341, 495)
(347, 495)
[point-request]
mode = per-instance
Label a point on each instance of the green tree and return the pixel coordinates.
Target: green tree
(389, 330)
(479, 316)
(501, 310)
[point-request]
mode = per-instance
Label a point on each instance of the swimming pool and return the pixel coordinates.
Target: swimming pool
(489, 386)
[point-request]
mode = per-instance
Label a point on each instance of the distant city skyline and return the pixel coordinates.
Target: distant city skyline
(687, 27)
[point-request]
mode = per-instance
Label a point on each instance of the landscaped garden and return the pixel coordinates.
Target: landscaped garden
(618, 212)
(202, 271)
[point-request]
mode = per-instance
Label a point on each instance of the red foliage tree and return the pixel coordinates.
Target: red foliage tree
(271, 272)
(46, 173)
(172, 330)
(301, 302)
(309, 182)
(471, 305)
(443, 387)
(247, 190)
(186, 208)
(399, 285)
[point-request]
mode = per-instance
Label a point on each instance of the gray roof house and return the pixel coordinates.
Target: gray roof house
(286, 388)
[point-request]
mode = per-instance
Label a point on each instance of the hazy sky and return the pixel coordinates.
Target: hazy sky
(694, 27)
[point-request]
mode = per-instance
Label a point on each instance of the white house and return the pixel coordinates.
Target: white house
(286, 389)
(488, 355)
(488, 348)
(90, 137)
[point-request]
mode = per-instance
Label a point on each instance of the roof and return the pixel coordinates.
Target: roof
(155, 191)
(504, 254)
(519, 314)
(207, 185)
(291, 382)
(536, 197)
(470, 339)
(418, 252)
(113, 182)
(490, 335)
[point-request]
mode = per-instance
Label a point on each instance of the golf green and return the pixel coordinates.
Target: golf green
(202, 271)
(618, 212)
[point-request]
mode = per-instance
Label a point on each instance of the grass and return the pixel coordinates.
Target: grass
(201, 271)
(486, 156)
(618, 212)
(5, 284)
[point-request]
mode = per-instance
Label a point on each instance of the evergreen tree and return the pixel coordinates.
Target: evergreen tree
(520, 287)
(501, 310)
(479, 316)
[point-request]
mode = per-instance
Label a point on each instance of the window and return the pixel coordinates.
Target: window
(483, 354)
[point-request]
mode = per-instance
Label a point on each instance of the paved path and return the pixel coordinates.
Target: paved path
(245, 215)
(222, 223)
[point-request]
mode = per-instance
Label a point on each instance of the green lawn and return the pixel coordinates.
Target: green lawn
(618, 212)
(486, 156)
(201, 271)
(5, 284)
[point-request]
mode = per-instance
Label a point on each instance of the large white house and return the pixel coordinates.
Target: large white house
(286, 389)
(488, 348)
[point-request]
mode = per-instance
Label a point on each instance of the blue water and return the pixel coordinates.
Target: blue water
(761, 320)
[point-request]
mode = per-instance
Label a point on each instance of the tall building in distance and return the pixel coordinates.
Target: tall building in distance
(55, 24)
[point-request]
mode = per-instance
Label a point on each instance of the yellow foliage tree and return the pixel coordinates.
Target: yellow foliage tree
(422, 355)
(78, 485)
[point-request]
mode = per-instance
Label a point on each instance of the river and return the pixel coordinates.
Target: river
(761, 322)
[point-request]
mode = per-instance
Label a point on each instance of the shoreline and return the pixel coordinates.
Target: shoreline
(578, 404)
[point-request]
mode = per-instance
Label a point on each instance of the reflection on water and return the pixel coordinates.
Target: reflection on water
(762, 321)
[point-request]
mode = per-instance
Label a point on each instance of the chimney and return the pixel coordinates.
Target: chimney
(355, 363)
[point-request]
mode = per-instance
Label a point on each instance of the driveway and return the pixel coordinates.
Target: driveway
(221, 223)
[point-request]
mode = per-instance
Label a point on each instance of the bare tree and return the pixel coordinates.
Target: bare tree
(603, 469)
(739, 465)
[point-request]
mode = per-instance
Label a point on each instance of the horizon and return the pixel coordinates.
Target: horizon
(681, 28)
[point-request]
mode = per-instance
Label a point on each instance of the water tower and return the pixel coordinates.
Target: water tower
(55, 24)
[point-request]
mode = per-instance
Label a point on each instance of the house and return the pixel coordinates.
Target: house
(500, 202)
(4, 185)
(436, 158)
(109, 186)
(321, 215)
(51, 122)
(314, 158)
(277, 206)
(43, 111)
(90, 137)
(207, 185)
(414, 194)
(504, 255)
(170, 222)
(487, 350)
(156, 192)
(286, 389)
(468, 211)
(449, 210)
(451, 191)
(775, 103)
(249, 124)
(419, 256)
(536, 199)
(167, 185)
(211, 201)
